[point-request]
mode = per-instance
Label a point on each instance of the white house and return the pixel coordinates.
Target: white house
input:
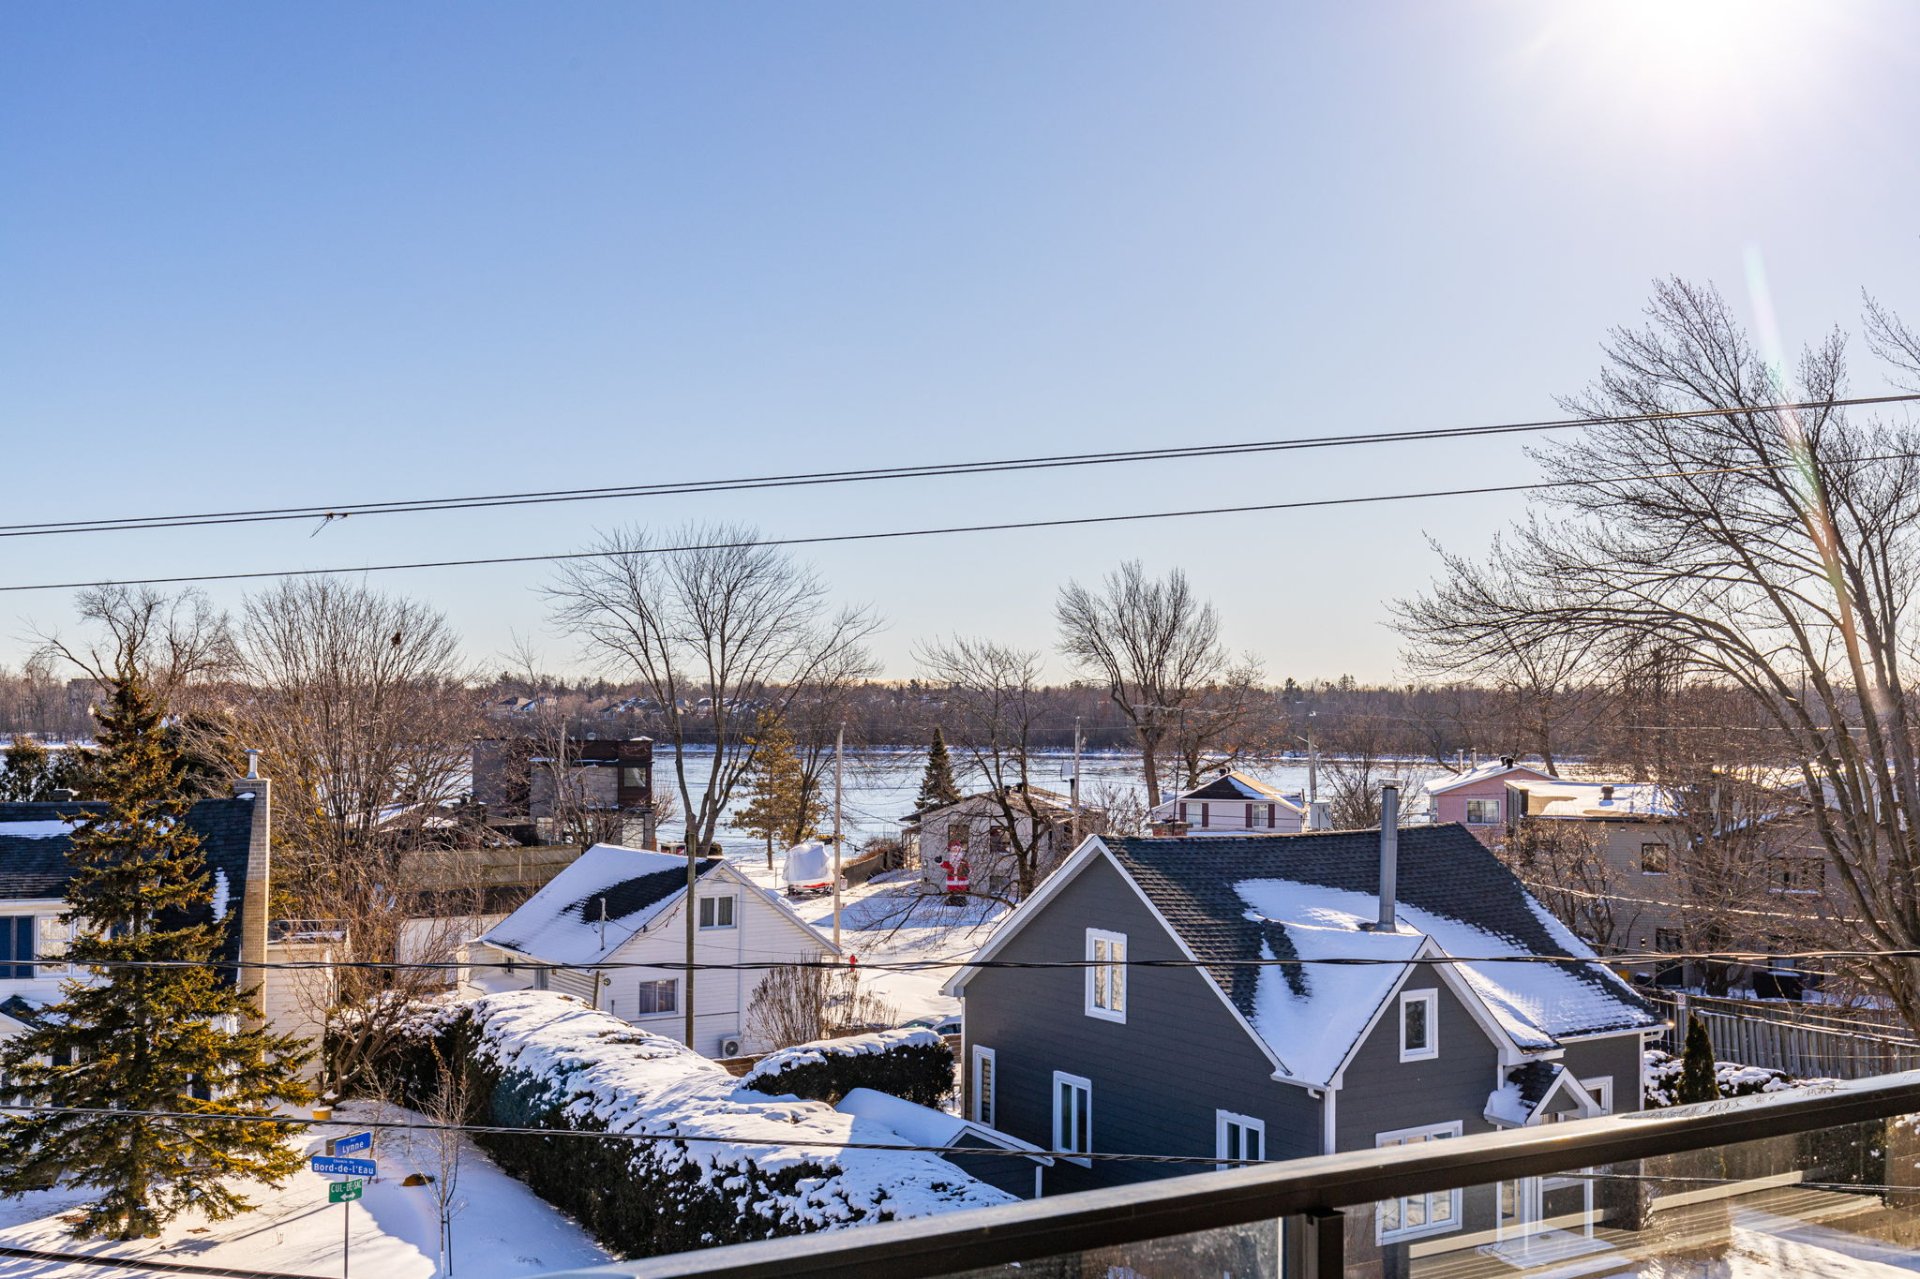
(598, 924)
(1232, 804)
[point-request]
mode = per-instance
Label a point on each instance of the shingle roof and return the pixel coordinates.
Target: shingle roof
(1282, 897)
(34, 840)
(562, 922)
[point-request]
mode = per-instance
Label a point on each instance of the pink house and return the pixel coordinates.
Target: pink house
(1477, 798)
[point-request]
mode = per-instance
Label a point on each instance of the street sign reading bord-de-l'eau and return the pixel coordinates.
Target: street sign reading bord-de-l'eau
(340, 1192)
(333, 1165)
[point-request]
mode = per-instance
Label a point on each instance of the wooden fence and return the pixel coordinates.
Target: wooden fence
(1805, 1041)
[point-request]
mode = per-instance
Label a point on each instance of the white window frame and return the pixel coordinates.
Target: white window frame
(673, 987)
(1084, 1086)
(1224, 1119)
(1107, 978)
(732, 912)
(1601, 1086)
(1483, 819)
(1407, 1136)
(1431, 998)
(983, 1056)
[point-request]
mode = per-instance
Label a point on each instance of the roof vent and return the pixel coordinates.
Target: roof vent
(1606, 794)
(1506, 761)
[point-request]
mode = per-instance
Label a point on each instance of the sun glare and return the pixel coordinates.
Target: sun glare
(1679, 55)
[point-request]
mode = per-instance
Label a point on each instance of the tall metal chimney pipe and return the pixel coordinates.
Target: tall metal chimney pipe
(1389, 854)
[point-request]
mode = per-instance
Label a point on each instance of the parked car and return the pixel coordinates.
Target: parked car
(947, 1025)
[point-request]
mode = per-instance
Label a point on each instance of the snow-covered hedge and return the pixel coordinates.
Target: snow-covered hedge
(1662, 1077)
(715, 1167)
(912, 1063)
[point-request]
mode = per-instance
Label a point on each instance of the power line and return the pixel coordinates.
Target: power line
(937, 965)
(340, 511)
(504, 1130)
(893, 534)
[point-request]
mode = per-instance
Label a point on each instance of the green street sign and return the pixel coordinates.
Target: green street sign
(340, 1192)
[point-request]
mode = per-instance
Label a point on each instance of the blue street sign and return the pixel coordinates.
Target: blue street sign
(329, 1164)
(359, 1141)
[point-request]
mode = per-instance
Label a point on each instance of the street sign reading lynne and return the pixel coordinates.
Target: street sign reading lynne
(339, 1192)
(349, 1145)
(332, 1165)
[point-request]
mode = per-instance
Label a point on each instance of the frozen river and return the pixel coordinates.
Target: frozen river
(881, 784)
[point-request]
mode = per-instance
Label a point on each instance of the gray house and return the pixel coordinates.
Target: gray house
(1245, 1047)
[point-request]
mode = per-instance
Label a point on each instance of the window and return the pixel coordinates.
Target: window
(1238, 1137)
(1073, 1115)
(1655, 859)
(16, 947)
(959, 838)
(1668, 941)
(1411, 1216)
(658, 997)
(1106, 975)
(716, 912)
(1483, 812)
(997, 841)
(1601, 1086)
(1798, 874)
(1419, 1025)
(983, 1081)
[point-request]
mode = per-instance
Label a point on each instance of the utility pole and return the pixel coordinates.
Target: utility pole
(1075, 788)
(839, 747)
(693, 907)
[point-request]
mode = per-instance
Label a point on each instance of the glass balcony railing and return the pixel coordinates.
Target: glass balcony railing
(1822, 1182)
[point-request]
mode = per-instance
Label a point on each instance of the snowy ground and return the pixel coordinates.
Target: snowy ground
(887, 921)
(502, 1230)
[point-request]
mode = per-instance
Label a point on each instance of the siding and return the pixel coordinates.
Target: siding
(1157, 1079)
(1380, 1093)
(1617, 1057)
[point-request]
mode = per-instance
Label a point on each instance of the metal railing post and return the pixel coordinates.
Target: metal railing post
(1323, 1244)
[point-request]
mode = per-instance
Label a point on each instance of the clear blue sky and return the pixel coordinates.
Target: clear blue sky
(263, 254)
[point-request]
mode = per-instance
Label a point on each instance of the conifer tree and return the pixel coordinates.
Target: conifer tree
(780, 805)
(131, 1038)
(1698, 1082)
(24, 775)
(936, 784)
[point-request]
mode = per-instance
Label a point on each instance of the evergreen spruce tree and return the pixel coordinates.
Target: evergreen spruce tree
(25, 775)
(1698, 1082)
(936, 784)
(780, 804)
(134, 1038)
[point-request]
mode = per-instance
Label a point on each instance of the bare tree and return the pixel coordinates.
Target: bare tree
(794, 1004)
(990, 704)
(450, 1108)
(1154, 644)
(357, 702)
(1776, 552)
(1564, 865)
(179, 643)
(713, 624)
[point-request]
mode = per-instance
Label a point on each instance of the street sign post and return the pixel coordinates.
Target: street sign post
(340, 1192)
(352, 1145)
(345, 1192)
(336, 1166)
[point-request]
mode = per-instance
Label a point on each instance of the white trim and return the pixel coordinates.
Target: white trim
(1329, 1126)
(732, 912)
(1431, 1049)
(983, 1055)
(1060, 1145)
(1090, 850)
(1428, 1132)
(1246, 1123)
(1509, 1052)
(1600, 1088)
(1115, 974)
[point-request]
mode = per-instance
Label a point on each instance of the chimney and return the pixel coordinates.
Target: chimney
(254, 895)
(1606, 794)
(1389, 855)
(1506, 761)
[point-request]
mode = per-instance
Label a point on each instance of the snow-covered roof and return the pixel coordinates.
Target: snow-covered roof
(1529, 1089)
(1030, 800)
(1562, 800)
(1484, 772)
(562, 922)
(925, 1126)
(1306, 897)
(1232, 788)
